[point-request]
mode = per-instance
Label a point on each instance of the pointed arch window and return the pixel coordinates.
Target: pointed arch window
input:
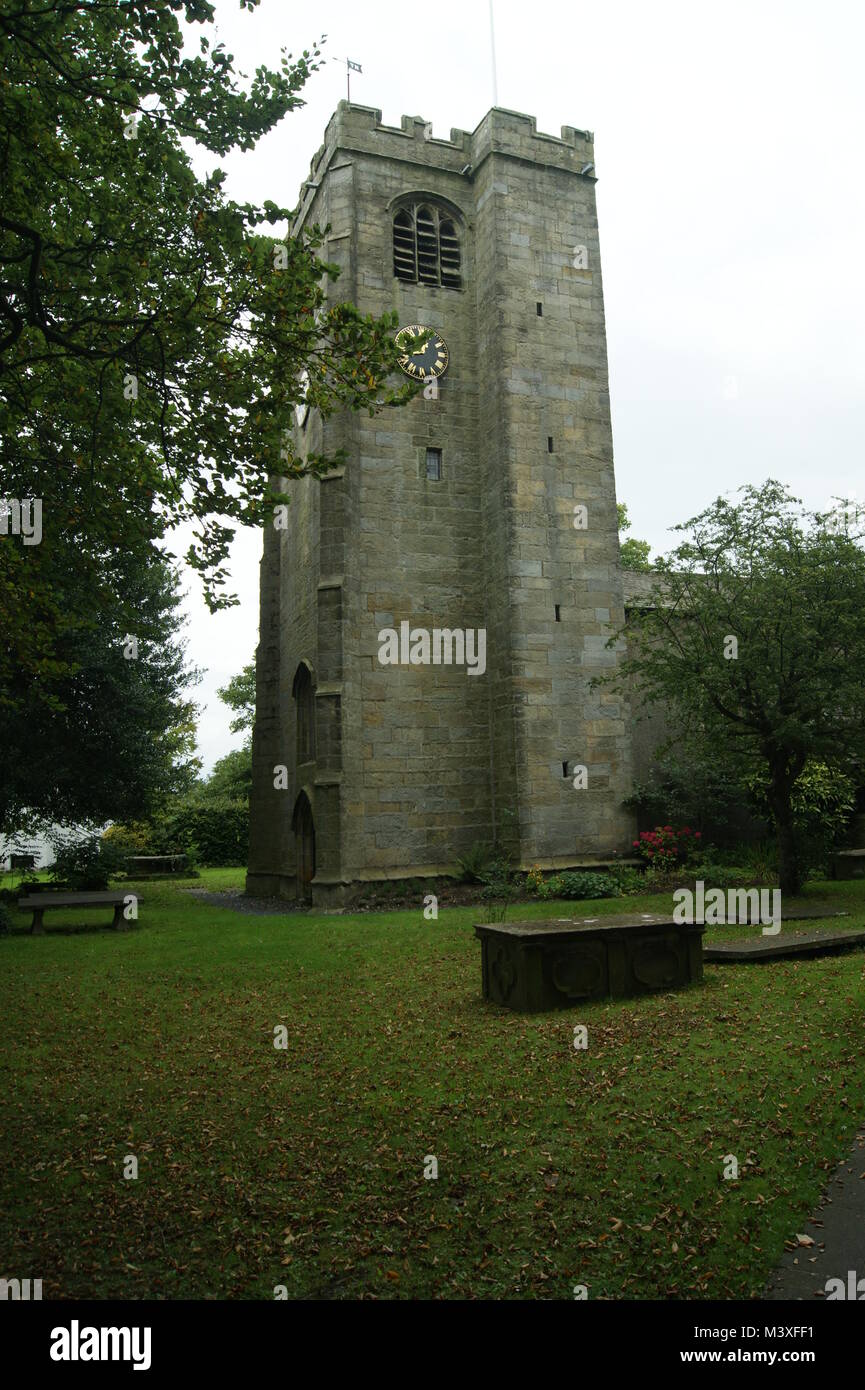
(303, 825)
(426, 246)
(304, 699)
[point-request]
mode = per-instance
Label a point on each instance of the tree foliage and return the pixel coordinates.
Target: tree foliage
(823, 799)
(231, 776)
(153, 342)
(633, 554)
(118, 736)
(753, 638)
(239, 695)
(687, 784)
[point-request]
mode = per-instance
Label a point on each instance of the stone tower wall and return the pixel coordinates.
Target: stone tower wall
(416, 764)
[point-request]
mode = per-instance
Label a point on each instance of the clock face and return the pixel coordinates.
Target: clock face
(430, 360)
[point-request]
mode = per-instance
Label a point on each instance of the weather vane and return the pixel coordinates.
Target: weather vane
(350, 67)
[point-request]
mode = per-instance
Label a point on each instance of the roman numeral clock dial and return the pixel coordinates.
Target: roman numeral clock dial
(430, 360)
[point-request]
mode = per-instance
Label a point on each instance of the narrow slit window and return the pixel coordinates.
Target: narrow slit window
(565, 768)
(434, 465)
(558, 613)
(549, 443)
(540, 309)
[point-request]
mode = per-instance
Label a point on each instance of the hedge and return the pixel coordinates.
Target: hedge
(215, 832)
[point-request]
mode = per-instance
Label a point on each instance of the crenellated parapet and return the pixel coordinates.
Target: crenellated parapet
(511, 134)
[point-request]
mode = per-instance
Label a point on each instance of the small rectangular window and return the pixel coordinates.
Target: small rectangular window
(558, 613)
(565, 768)
(434, 465)
(549, 443)
(540, 309)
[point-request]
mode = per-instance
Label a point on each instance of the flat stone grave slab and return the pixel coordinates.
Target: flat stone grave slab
(163, 865)
(785, 944)
(848, 863)
(556, 963)
(813, 909)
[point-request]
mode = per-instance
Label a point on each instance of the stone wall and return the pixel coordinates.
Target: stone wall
(416, 764)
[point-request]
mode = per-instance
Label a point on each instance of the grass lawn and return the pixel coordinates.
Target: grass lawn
(305, 1166)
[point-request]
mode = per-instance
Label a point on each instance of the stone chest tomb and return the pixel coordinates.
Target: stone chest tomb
(540, 965)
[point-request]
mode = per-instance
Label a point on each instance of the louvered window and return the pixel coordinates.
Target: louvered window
(404, 249)
(426, 247)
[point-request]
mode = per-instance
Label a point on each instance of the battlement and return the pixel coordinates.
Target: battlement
(512, 134)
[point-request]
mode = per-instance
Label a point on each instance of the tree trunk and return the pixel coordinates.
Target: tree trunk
(789, 861)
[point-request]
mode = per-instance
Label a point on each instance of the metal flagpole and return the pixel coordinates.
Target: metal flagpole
(350, 67)
(493, 56)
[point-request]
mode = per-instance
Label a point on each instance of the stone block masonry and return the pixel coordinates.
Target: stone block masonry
(412, 764)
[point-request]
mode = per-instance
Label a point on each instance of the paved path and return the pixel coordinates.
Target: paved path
(838, 1231)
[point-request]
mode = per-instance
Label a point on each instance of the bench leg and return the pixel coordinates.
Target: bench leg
(37, 928)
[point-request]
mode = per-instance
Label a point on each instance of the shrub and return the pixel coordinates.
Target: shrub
(628, 880)
(722, 876)
(758, 862)
(666, 846)
(686, 787)
(476, 862)
(86, 864)
(710, 872)
(823, 800)
(499, 887)
(550, 887)
(534, 879)
(214, 832)
(579, 884)
(134, 837)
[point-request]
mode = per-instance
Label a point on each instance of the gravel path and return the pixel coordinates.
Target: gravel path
(239, 902)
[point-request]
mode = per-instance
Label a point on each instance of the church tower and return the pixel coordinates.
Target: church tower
(482, 514)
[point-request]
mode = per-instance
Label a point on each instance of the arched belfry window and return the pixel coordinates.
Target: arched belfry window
(304, 700)
(426, 246)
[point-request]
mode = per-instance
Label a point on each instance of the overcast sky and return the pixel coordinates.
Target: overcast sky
(729, 151)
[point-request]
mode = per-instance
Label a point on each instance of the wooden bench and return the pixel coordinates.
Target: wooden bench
(41, 902)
